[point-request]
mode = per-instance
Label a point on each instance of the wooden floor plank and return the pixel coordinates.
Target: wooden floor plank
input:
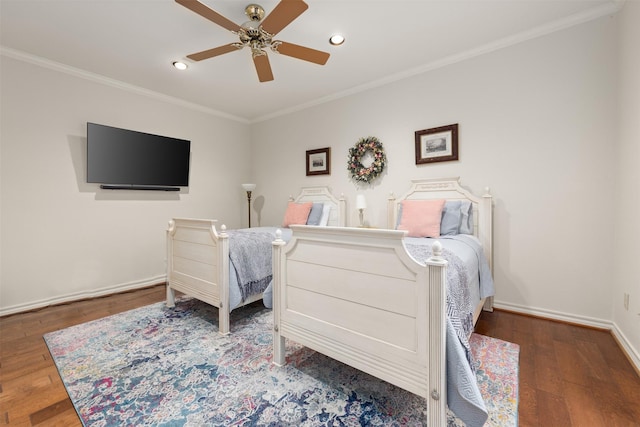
(629, 387)
(51, 412)
(567, 354)
(527, 406)
(553, 410)
(547, 374)
(583, 409)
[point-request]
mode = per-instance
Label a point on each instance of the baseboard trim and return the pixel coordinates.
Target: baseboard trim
(623, 342)
(555, 315)
(94, 293)
(627, 348)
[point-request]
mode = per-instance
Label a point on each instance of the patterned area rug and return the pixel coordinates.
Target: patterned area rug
(169, 367)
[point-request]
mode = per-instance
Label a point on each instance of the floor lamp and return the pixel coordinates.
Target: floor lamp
(249, 188)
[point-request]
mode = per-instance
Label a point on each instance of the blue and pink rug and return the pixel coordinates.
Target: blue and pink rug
(169, 367)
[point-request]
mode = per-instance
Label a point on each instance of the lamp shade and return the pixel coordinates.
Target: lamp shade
(361, 202)
(249, 187)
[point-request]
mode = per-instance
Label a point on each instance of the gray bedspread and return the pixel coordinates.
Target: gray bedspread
(236, 295)
(466, 264)
(459, 304)
(250, 253)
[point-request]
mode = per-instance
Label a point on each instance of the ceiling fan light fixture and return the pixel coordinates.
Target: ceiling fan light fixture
(251, 25)
(336, 39)
(180, 65)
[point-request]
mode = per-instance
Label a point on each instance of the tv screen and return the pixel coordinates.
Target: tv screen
(121, 158)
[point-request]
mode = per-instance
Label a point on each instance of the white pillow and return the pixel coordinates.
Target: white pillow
(324, 219)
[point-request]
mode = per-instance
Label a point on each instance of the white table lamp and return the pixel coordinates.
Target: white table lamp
(361, 205)
(249, 188)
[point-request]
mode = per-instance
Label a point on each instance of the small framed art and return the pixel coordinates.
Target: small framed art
(319, 161)
(437, 144)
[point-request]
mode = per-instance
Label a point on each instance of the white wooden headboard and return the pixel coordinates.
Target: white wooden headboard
(450, 189)
(337, 216)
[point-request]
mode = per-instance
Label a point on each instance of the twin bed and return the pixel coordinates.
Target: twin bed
(397, 307)
(198, 255)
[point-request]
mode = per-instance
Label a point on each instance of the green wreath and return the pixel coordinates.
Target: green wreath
(354, 164)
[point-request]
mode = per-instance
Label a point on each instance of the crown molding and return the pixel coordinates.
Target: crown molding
(609, 8)
(97, 78)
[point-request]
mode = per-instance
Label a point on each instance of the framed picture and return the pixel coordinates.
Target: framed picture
(437, 144)
(319, 161)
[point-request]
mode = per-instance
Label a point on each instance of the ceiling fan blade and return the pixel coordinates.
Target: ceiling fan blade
(304, 53)
(210, 53)
(263, 67)
(210, 14)
(283, 14)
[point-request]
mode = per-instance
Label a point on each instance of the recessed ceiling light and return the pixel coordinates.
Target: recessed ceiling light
(180, 65)
(336, 39)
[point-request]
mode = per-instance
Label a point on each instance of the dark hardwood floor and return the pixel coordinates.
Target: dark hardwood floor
(569, 375)
(31, 391)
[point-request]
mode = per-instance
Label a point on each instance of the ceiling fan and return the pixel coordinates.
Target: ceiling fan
(257, 34)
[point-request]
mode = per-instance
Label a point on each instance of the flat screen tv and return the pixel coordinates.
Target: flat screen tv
(125, 159)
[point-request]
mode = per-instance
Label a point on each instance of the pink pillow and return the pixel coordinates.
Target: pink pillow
(421, 218)
(297, 213)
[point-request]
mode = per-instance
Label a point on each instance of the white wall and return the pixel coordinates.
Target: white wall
(63, 238)
(537, 125)
(627, 224)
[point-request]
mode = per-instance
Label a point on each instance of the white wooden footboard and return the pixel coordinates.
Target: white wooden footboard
(358, 297)
(198, 264)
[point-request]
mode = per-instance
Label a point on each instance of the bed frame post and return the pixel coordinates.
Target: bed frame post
(223, 277)
(391, 211)
(278, 339)
(171, 296)
(437, 399)
(342, 207)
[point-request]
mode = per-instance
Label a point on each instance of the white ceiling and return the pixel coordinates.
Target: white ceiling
(134, 42)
